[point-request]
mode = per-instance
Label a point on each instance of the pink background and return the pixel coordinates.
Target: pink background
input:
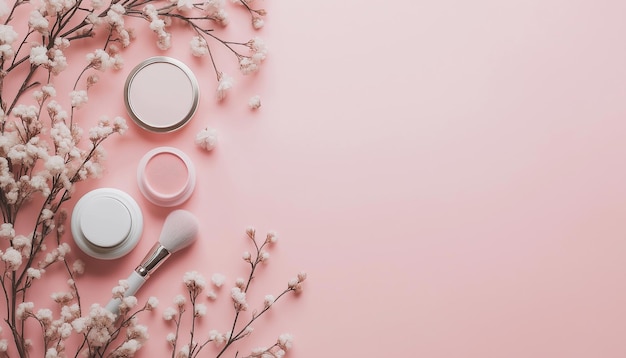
(451, 174)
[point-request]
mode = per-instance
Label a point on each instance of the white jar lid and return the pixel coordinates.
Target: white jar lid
(106, 223)
(166, 176)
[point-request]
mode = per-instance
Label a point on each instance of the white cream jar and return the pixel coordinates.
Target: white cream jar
(106, 223)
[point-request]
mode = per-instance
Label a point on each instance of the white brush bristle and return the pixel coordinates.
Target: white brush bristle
(179, 230)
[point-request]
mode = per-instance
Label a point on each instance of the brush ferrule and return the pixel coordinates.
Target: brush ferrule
(153, 260)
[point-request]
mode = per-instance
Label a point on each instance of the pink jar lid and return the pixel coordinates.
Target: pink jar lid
(166, 176)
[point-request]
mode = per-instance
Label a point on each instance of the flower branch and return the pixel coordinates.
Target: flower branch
(195, 284)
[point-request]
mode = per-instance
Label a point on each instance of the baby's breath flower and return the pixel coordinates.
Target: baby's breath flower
(169, 314)
(24, 309)
(239, 299)
(285, 341)
(199, 46)
(194, 281)
(207, 139)
(271, 237)
(152, 303)
(200, 310)
(225, 83)
(218, 279)
(6, 231)
(12, 258)
(240, 283)
(52, 353)
(7, 34)
(33, 272)
(257, 22)
(171, 338)
(246, 256)
(78, 98)
(254, 102)
(179, 300)
(129, 302)
(38, 55)
(78, 267)
(217, 337)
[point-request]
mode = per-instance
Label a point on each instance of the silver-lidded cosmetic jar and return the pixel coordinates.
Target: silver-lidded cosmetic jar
(161, 94)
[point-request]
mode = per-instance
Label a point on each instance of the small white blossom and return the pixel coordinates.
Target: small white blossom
(58, 62)
(38, 55)
(97, 4)
(127, 349)
(128, 302)
(200, 310)
(199, 46)
(6, 231)
(24, 309)
(194, 281)
(52, 353)
(217, 337)
(44, 315)
(254, 102)
(248, 66)
(38, 22)
(239, 299)
(240, 282)
(246, 256)
(184, 4)
(171, 338)
(55, 164)
(78, 98)
(7, 34)
(257, 22)
(293, 283)
(179, 300)
(225, 83)
(12, 258)
(271, 237)
(152, 303)
(285, 341)
(207, 139)
(33, 273)
(4, 10)
(218, 279)
(184, 352)
(169, 314)
(78, 267)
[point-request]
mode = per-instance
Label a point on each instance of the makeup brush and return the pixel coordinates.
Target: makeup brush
(179, 231)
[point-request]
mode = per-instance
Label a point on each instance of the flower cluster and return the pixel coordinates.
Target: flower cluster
(238, 329)
(45, 153)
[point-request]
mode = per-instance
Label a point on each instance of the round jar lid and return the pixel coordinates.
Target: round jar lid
(161, 94)
(106, 223)
(166, 176)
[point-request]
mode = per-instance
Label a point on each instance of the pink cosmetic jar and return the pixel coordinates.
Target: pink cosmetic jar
(161, 94)
(106, 223)
(166, 176)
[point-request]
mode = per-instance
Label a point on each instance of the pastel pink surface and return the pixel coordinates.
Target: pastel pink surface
(450, 175)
